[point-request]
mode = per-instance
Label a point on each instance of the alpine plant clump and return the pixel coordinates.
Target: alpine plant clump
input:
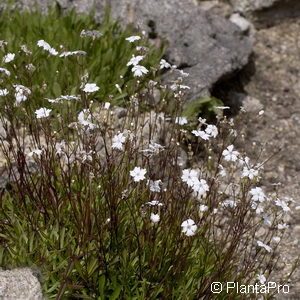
(126, 202)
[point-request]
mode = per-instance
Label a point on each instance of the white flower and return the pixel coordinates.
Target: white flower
(155, 218)
(106, 105)
(229, 203)
(84, 118)
(262, 279)
(47, 47)
(267, 220)
(189, 227)
(222, 107)
(230, 154)
(201, 121)
(5, 71)
(37, 152)
(282, 226)
(257, 194)
(189, 176)
(43, 112)
(138, 174)
(4, 92)
(21, 93)
(8, 57)
(60, 147)
(223, 172)
(258, 208)
(249, 172)
(118, 141)
(181, 120)
(138, 71)
(283, 205)
(154, 148)
(90, 88)
(68, 53)
(200, 187)
(154, 203)
(203, 208)
(276, 239)
(133, 38)
(201, 134)
(154, 185)
(135, 60)
(212, 130)
(164, 64)
(266, 247)
(183, 74)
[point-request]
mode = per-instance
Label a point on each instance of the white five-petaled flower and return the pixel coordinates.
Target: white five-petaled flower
(21, 93)
(85, 118)
(200, 187)
(201, 133)
(133, 38)
(37, 152)
(230, 154)
(8, 57)
(249, 172)
(164, 64)
(118, 141)
(43, 112)
(155, 218)
(181, 120)
(257, 194)
(283, 205)
(188, 227)
(138, 71)
(138, 174)
(266, 247)
(190, 176)
(135, 60)
(4, 92)
(203, 208)
(212, 130)
(90, 88)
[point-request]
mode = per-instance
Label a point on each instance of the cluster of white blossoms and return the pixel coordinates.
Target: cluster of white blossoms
(211, 131)
(257, 197)
(191, 178)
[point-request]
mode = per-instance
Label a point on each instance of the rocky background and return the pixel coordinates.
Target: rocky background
(245, 52)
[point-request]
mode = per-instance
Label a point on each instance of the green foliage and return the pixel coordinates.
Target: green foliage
(105, 62)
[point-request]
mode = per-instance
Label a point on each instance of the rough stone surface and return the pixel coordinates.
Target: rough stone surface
(205, 45)
(267, 12)
(19, 284)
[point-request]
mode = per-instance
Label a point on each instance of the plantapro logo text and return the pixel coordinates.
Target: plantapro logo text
(258, 288)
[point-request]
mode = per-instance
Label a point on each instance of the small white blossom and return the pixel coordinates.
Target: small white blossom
(200, 187)
(138, 71)
(37, 152)
(202, 134)
(154, 185)
(222, 107)
(133, 38)
(84, 118)
(212, 130)
(189, 176)
(201, 121)
(138, 174)
(283, 205)
(257, 207)
(5, 71)
(203, 208)
(229, 203)
(257, 194)
(155, 218)
(43, 112)
(188, 227)
(164, 64)
(106, 105)
(154, 203)
(4, 92)
(181, 120)
(90, 88)
(249, 172)
(223, 172)
(21, 93)
(118, 141)
(135, 60)
(261, 278)
(266, 247)
(276, 239)
(47, 47)
(282, 226)
(230, 154)
(8, 57)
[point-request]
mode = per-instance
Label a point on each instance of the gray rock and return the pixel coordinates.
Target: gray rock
(19, 284)
(207, 46)
(267, 12)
